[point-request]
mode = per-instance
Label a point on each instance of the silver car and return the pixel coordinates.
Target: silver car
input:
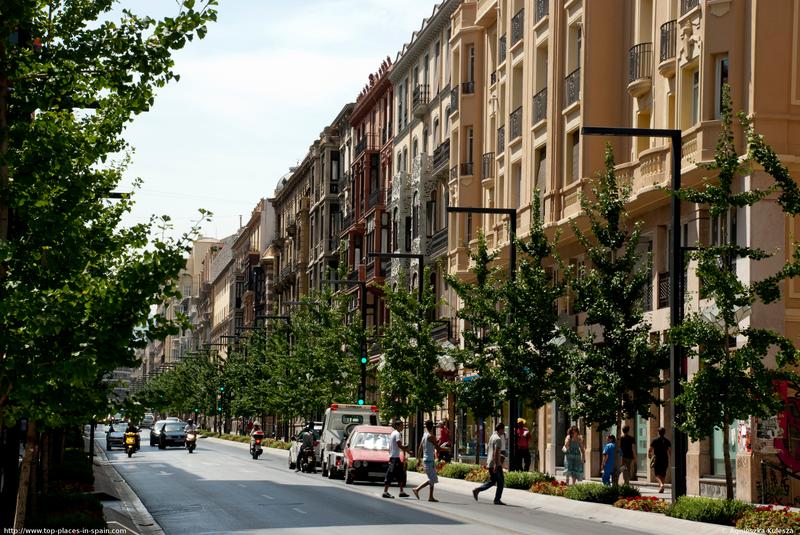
(115, 435)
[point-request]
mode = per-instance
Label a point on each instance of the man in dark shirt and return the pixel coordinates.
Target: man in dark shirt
(627, 446)
(660, 452)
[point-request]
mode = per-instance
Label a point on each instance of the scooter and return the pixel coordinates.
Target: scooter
(191, 441)
(308, 461)
(130, 443)
(255, 444)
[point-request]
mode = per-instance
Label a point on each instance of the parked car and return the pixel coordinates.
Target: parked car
(115, 435)
(366, 453)
(294, 448)
(168, 433)
(147, 421)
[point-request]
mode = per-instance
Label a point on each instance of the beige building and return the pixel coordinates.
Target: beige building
(541, 70)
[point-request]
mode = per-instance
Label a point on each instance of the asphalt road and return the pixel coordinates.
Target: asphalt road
(220, 489)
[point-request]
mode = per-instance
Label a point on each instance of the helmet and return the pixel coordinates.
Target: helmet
(189, 421)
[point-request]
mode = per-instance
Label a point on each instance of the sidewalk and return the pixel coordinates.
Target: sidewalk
(122, 508)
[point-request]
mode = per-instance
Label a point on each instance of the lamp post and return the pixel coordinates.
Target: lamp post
(421, 274)
(362, 387)
(512, 218)
(679, 441)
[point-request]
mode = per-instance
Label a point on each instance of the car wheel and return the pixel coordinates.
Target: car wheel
(348, 476)
(108, 446)
(162, 446)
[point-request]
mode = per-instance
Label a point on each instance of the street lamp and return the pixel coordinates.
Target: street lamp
(512, 218)
(362, 387)
(679, 441)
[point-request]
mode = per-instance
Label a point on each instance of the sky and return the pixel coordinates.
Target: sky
(252, 97)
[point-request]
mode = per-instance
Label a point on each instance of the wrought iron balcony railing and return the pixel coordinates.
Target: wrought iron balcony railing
(454, 99)
(515, 119)
(688, 5)
(441, 155)
(488, 166)
(640, 62)
(367, 142)
(572, 86)
(663, 289)
(501, 139)
(438, 242)
(466, 169)
(468, 88)
(540, 106)
(668, 40)
(518, 27)
(375, 197)
(501, 50)
(541, 9)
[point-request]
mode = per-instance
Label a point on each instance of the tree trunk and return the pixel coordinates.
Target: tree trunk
(727, 456)
(25, 478)
(47, 457)
(618, 448)
(9, 464)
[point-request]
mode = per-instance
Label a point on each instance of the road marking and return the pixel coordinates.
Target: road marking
(125, 528)
(268, 497)
(299, 510)
(243, 486)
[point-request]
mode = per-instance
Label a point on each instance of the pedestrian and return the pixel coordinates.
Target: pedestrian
(627, 448)
(575, 457)
(523, 446)
(445, 450)
(396, 469)
(249, 427)
(495, 466)
(609, 451)
(427, 452)
(659, 453)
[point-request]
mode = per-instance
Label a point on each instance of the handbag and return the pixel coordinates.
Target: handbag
(653, 461)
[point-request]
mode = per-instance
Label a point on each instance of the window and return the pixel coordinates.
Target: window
(541, 168)
(471, 65)
(415, 216)
(447, 120)
(573, 159)
(436, 53)
(395, 230)
(695, 102)
(430, 215)
(436, 131)
(414, 148)
(721, 80)
(717, 452)
(408, 234)
(470, 133)
(723, 231)
(425, 140)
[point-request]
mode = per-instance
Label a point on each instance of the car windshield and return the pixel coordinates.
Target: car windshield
(172, 427)
(118, 428)
(370, 441)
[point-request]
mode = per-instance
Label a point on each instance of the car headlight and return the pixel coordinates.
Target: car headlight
(357, 464)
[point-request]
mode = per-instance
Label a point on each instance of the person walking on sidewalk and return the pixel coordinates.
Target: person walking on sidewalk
(523, 447)
(495, 466)
(574, 458)
(609, 451)
(659, 453)
(427, 452)
(396, 469)
(627, 447)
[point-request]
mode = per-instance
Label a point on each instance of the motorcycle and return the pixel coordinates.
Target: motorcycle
(255, 444)
(308, 461)
(130, 443)
(191, 441)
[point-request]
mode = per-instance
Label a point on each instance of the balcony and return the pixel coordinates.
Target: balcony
(370, 271)
(466, 169)
(688, 5)
(291, 227)
(501, 50)
(572, 87)
(488, 166)
(640, 69)
(468, 88)
(669, 34)
(333, 245)
(375, 198)
(647, 298)
(516, 124)
(347, 221)
(441, 156)
(367, 142)
(454, 100)
(517, 27)
(540, 106)
(501, 140)
(438, 243)
(386, 133)
(493, 78)
(663, 289)
(541, 10)
(419, 100)
(441, 330)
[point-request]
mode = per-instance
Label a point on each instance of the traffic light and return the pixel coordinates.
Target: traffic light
(222, 388)
(361, 394)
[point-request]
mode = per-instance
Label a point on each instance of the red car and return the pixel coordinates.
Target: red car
(366, 454)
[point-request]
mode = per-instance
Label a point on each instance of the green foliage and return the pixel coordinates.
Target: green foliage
(412, 463)
(524, 480)
(458, 470)
(728, 354)
(648, 504)
(769, 520)
(599, 493)
(549, 487)
(479, 474)
(618, 378)
(711, 510)
(408, 378)
(77, 286)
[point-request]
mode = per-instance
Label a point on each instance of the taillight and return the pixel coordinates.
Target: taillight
(258, 441)
(374, 408)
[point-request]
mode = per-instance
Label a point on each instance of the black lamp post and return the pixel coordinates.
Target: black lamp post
(363, 358)
(513, 413)
(679, 441)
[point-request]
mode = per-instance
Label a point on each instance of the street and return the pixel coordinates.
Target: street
(220, 489)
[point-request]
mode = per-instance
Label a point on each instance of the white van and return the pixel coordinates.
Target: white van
(339, 421)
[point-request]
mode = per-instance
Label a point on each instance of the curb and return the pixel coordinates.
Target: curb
(130, 504)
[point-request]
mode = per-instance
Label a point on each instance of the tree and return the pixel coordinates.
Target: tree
(74, 284)
(729, 354)
(408, 377)
(614, 366)
(483, 303)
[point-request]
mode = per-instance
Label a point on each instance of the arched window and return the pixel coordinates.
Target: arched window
(431, 222)
(395, 230)
(414, 148)
(436, 132)
(415, 216)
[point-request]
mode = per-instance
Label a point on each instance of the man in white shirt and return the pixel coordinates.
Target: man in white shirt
(495, 466)
(396, 469)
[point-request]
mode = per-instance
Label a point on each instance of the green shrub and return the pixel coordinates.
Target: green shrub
(411, 464)
(479, 474)
(69, 511)
(598, 493)
(458, 470)
(524, 480)
(551, 488)
(709, 510)
(767, 519)
(76, 468)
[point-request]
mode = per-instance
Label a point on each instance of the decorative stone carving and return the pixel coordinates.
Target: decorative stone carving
(718, 7)
(690, 38)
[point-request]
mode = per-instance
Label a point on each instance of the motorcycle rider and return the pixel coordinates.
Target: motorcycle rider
(133, 429)
(307, 442)
(190, 428)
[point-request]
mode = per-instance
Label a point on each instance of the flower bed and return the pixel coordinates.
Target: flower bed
(648, 504)
(770, 519)
(551, 488)
(479, 474)
(598, 493)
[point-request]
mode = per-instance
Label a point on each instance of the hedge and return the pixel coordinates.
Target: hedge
(711, 510)
(599, 493)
